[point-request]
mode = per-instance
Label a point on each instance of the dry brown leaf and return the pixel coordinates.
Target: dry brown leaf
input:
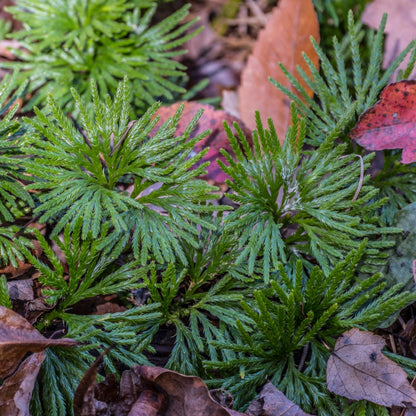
(400, 26)
(188, 395)
(18, 337)
(149, 403)
(16, 391)
(272, 402)
(21, 289)
(147, 391)
(84, 395)
(358, 370)
(286, 35)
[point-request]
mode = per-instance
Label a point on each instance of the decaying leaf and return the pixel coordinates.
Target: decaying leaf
(188, 395)
(272, 402)
(18, 337)
(400, 27)
(21, 289)
(211, 119)
(147, 391)
(391, 122)
(358, 370)
(284, 39)
(149, 403)
(84, 395)
(16, 390)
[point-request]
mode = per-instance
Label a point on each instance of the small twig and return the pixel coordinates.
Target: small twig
(325, 345)
(23, 228)
(303, 358)
(243, 25)
(255, 9)
(392, 343)
(81, 131)
(402, 322)
(125, 134)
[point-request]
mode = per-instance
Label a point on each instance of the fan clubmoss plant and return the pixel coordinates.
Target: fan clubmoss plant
(65, 44)
(199, 299)
(82, 172)
(90, 273)
(14, 198)
(262, 292)
(343, 93)
(293, 204)
(295, 323)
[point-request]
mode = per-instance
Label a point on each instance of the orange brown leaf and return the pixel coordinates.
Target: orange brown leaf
(286, 35)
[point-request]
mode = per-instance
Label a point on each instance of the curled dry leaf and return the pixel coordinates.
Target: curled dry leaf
(272, 402)
(84, 395)
(16, 390)
(211, 119)
(187, 395)
(147, 391)
(18, 337)
(284, 39)
(358, 370)
(391, 122)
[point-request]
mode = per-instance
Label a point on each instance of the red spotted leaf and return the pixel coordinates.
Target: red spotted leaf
(211, 119)
(391, 122)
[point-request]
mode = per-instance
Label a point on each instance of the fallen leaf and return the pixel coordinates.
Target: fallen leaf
(84, 395)
(147, 391)
(272, 402)
(149, 403)
(21, 289)
(18, 337)
(210, 119)
(408, 337)
(358, 370)
(391, 122)
(400, 27)
(188, 395)
(286, 35)
(16, 390)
